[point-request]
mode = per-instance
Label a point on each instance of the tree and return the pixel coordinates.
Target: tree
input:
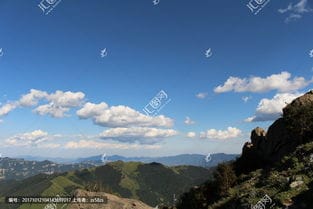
(225, 178)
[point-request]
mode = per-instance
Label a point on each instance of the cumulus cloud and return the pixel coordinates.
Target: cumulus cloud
(191, 134)
(281, 82)
(120, 116)
(202, 95)
(230, 133)
(296, 11)
(271, 109)
(32, 98)
(138, 134)
(91, 110)
(92, 144)
(58, 103)
(188, 121)
(28, 139)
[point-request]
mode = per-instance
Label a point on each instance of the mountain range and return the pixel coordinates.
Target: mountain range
(210, 160)
(151, 183)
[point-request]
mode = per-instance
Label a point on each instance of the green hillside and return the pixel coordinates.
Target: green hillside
(151, 183)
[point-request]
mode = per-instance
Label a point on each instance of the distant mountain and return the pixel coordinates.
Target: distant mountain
(185, 159)
(52, 159)
(151, 183)
(20, 169)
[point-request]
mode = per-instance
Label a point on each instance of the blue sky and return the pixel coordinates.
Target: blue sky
(77, 103)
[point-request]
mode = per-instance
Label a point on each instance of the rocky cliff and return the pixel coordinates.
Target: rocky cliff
(294, 128)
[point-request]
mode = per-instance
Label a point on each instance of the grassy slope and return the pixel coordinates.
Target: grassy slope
(275, 183)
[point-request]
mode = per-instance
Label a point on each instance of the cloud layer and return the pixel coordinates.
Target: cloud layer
(28, 139)
(92, 144)
(281, 82)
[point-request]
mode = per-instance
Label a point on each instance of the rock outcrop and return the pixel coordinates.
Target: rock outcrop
(282, 137)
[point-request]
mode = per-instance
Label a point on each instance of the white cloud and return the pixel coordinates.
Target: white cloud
(188, 121)
(52, 110)
(28, 139)
(221, 134)
(32, 98)
(191, 134)
(296, 11)
(91, 110)
(66, 99)
(7, 108)
(121, 116)
(58, 103)
(271, 109)
(202, 95)
(281, 82)
(91, 144)
(142, 135)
